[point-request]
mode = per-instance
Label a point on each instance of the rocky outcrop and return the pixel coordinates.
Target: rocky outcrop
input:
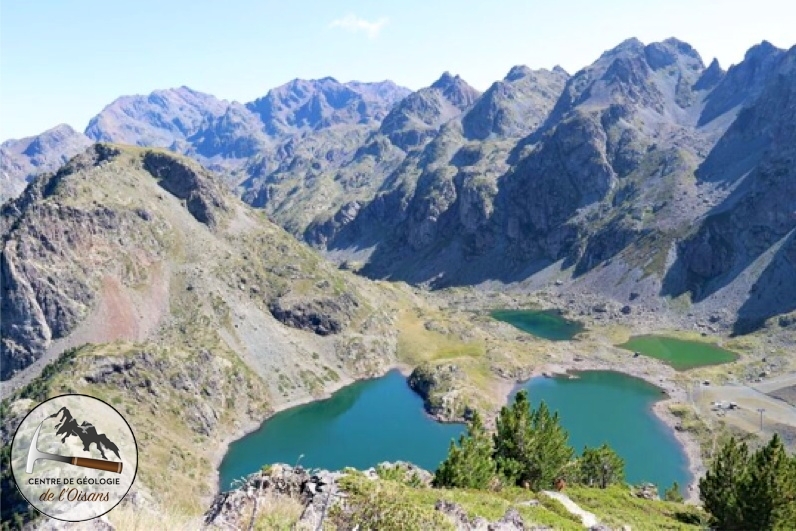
(54, 256)
(202, 196)
(440, 386)
(321, 493)
(511, 521)
(320, 316)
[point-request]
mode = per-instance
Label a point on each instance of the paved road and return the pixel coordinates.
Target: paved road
(778, 382)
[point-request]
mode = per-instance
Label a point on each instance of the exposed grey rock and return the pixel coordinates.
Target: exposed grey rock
(511, 521)
(202, 195)
(161, 119)
(744, 82)
(418, 117)
(436, 384)
(759, 218)
(711, 77)
(323, 317)
(515, 106)
(302, 105)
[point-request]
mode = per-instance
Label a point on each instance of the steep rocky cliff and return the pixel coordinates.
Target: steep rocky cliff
(753, 227)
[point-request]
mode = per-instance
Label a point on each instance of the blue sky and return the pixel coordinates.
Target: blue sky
(61, 61)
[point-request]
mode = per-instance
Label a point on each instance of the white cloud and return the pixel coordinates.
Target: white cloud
(354, 24)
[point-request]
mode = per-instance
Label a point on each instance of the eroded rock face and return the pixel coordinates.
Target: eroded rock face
(515, 106)
(203, 197)
(419, 116)
(320, 316)
(67, 245)
(47, 290)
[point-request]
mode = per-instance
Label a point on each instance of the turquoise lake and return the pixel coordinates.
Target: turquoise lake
(383, 420)
(609, 407)
(359, 426)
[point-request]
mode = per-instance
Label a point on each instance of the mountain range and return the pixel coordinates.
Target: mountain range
(645, 174)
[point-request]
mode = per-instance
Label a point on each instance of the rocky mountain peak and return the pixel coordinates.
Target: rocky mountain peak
(710, 77)
(304, 105)
(662, 54)
(49, 140)
(683, 48)
(445, 81)
(658, 76)
(158, 119)
(761, 51)
(456, 90)
(515, 106)
(419, 116)
(517, 72)
(628, 46)
(744, 82)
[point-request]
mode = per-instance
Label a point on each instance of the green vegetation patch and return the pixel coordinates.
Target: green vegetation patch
(615, 506)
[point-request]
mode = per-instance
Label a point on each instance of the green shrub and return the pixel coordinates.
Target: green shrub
(470, 464)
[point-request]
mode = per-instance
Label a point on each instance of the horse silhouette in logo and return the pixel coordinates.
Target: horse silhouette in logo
(86, 432)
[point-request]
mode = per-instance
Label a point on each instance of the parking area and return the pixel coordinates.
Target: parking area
(741, 405)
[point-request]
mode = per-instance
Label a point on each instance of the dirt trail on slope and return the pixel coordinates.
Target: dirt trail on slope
(588, 519)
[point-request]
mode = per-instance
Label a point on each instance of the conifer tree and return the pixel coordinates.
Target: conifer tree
(600, 467)
(757, 491)
(767, 495)
(720, 489)
(531, 446)
(470, 464)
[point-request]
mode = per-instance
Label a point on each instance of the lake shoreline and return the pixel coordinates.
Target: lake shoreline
(674, 394)
(249, 426)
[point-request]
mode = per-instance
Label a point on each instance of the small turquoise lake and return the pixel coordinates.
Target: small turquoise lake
(383, 420)
(609, 407)
(546, 324)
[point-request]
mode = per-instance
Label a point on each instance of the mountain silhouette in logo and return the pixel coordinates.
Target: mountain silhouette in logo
(86, 432)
